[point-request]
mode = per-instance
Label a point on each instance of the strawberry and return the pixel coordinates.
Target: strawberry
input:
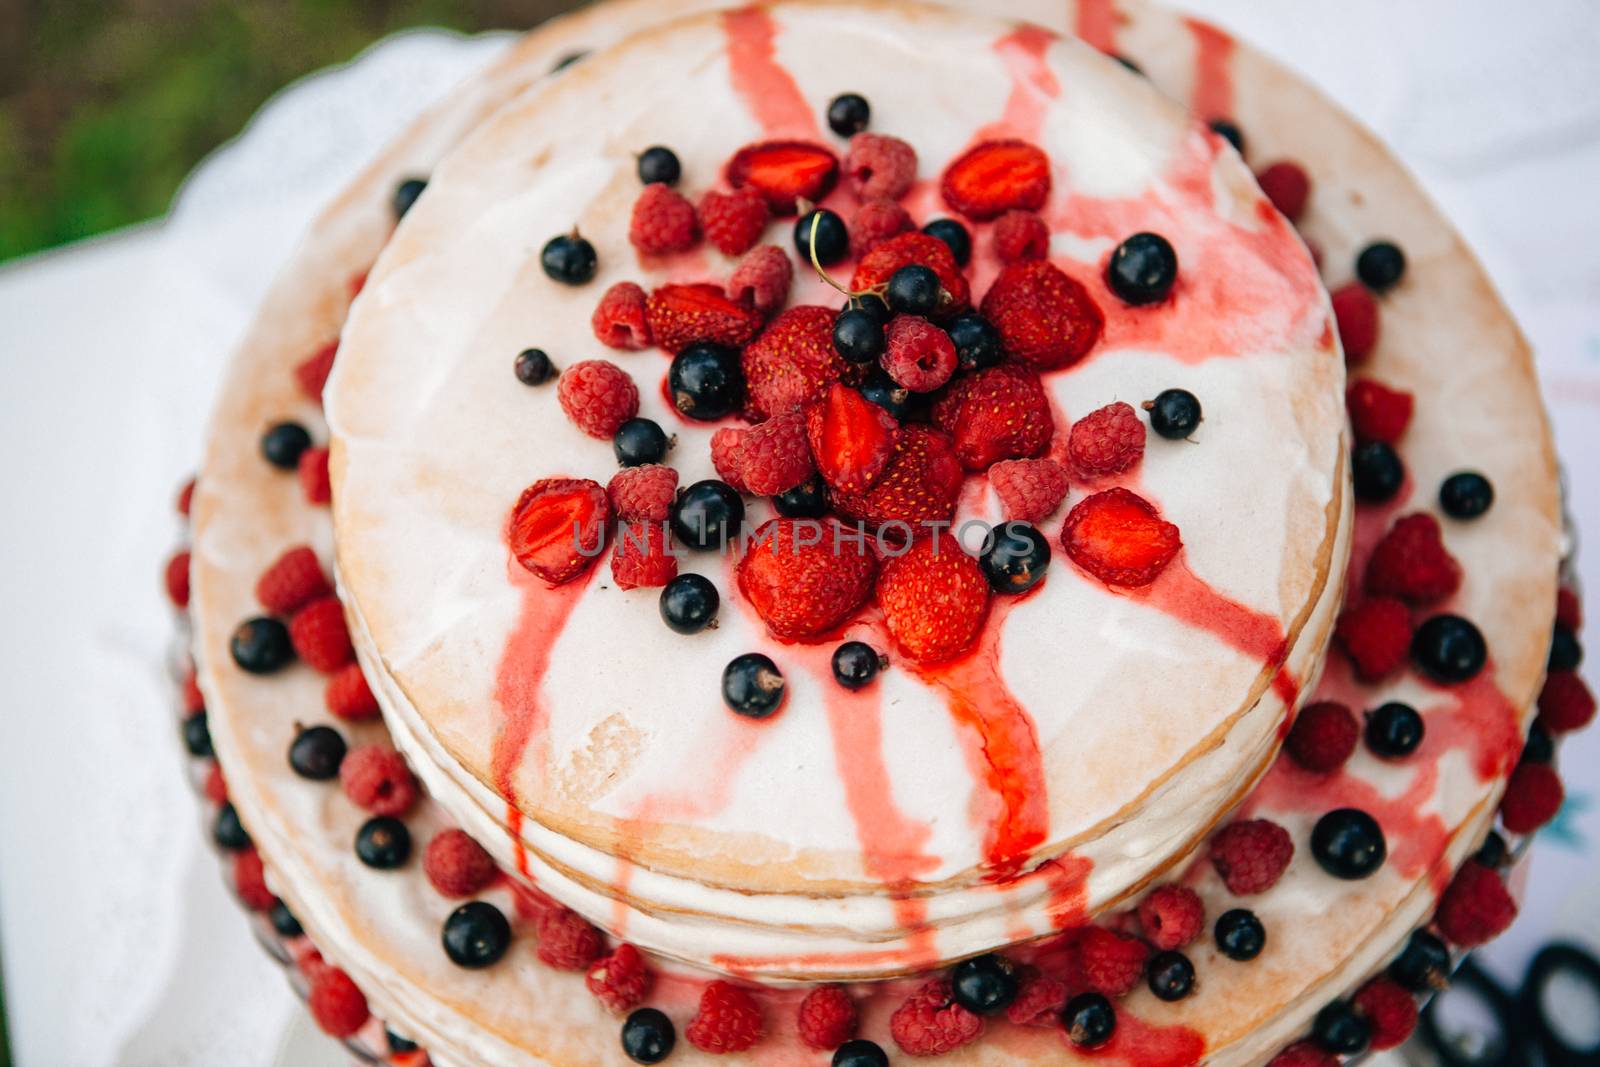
(679, 315)
(784, 172)
(311, 373)
(998, 413)
(934, 598)
(1046, 319)
(805, 581)
(1118, 537)
(997, 176)
(792, 362)
(921, 483)
(879, 264)
(559, 526)
(851, 438)
(641, 557)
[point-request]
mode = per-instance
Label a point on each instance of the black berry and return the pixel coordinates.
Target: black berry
(955, 236)
(689, 603)
(1380, 266)
(1015, 558)
(1339, 1029)
(533, 366)
(1448, 648)
(1465, 495)
(1348, 843)
(848, 114)
(568, 60)
(1174, 413)
(859, 1053)
(283, 443)
(707, 514)
(805, 501)
(706, 381)
(1142, 269)
(197, 735)
(1566, 651)
(873, 305)
(648, 1036)
(476, 935)
(283, 920)
(316, 753)
(882, 391)
(1170, 975)
(1240, 935)
(659, 164)
(1376, 472)
(1230, 132)
(261, 645)
(1090, 1020)
(1493, 851)
(831, 238)
(569, 259)
(984, 984)
(913, 290)
(1423, 965)
(640, 441)
(383, 842)
(398, 1043)
(1394, 730)
(227, 831)
(977, 342)
(858, 335)
(405, 194)
(752, 685)
(856, 664)
(1540, 747)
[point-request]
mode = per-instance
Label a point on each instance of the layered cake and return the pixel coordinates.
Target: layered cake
(842, 533)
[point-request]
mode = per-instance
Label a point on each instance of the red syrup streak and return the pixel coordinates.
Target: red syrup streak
(768, 90)
(1033, 84)
(1211, 95)
(1096, 24)
(1141, 1044)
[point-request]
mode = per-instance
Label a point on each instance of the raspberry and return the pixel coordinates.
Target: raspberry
(1475, 907)
(1171, 916)
(1030, 490)
(919, 356)
(878, 166)
(1106, 441)
(177, 578)
(1533, 796)
(920, 485)
(774, 456)
(792, 362)
(874, 222)
(193, 700)
(250, 881)
(293, 581)
(663, 221)
(729, 1020)
(1020, 235)
(1251, 855)
(1565, 703)
(784, 172)
(1304, 1054)
(558, 526)
(931, 1023)
(997, 176)
(348, 696)
(733, 222)
(621, 980)
(597, 396)
(568, 941)
(215, 787)
(313, 473)
(311, 374)
(934, 599)
(828, 1018)
(680, 315)
(1119, 538)
(1046, 319)
(1355, 309)
(336, 1003)
(186, 498)
(762, 279)
(1376, 635)
(1412, 564)
(643, 492)
(851, 438)
(641, 558)
(1323, 736)
(1039, 1002)
(375, 778)
(456, 865)
(618, 320)
(727, 455)
(1390, 1010)
(1112, 963)
(1378, 413)
(319, 635)
(1287, 186)
(998, 413)
(800, 589)
(876, 267)
(1569, 609)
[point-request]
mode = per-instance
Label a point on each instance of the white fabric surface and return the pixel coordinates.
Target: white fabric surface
(117, 939)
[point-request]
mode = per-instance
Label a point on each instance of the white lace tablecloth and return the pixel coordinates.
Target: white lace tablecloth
(118, 942)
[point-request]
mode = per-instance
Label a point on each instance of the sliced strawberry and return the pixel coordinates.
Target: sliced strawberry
(805, 579)
(1046, 319)
(934, 599)
(852, 439)
(995, 177)
(784, 172)
(559, 527)
(680, 315)
(878, 265)
(921, 484)
(1118, 537)
(995, 414)
(792, 362)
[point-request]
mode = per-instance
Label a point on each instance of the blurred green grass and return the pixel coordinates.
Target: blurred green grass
(104, 107)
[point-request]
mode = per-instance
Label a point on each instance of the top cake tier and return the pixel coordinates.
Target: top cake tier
(1049, 753)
